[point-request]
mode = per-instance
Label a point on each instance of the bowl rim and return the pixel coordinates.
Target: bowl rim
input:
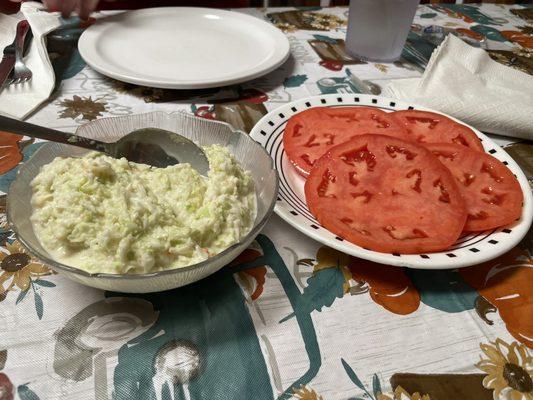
(77, 271)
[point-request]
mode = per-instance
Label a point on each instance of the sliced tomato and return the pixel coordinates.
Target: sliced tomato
(386, 194)
(309, 134)
(428, 127)
(492, 194)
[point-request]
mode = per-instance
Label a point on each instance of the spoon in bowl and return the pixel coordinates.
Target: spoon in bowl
(152, 146)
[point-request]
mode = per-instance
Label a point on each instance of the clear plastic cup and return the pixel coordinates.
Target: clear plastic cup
(377, 29)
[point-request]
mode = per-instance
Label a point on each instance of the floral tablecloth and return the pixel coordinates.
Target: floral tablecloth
(289, 318)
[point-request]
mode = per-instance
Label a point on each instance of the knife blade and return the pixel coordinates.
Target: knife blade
(8, 58)
(7, 64)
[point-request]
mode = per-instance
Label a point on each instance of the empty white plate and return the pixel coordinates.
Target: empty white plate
(183, 47)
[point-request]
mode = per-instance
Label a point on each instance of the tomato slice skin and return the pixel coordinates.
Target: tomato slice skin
(387, 195)
(492, 193)
(428, 127)
(311, 133)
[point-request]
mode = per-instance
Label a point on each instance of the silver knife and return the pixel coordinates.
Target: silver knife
(8, 60)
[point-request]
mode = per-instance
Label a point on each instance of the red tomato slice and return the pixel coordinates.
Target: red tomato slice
(428, 127)
(309, 134)
(492, 194)
(386, 194)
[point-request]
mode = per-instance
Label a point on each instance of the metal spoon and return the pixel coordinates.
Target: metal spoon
(151, 146)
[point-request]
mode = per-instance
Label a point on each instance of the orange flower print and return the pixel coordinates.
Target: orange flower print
(388, 286)
(507, 284)
(10, 154)
(252, 279)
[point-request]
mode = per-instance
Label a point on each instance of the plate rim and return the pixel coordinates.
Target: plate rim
(87, 40)
(387, 258)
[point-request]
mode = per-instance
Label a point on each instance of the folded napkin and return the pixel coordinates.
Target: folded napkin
(466, 83)
(17, 101)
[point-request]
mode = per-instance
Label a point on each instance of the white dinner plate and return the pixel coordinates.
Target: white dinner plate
(183, 47)
(469, 249)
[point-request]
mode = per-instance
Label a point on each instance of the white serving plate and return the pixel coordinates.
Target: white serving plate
(183, 47)
(469, 249)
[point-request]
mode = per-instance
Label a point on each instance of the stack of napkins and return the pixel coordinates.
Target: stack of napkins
(466, 83)
(17, 101)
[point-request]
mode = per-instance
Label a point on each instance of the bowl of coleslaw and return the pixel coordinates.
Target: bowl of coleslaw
(121, 226)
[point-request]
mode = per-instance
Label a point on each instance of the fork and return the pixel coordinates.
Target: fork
(21, 73)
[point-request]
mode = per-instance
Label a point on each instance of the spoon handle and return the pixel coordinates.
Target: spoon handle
(11, 125)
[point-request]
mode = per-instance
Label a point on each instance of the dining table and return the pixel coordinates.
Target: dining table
(289, 318)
